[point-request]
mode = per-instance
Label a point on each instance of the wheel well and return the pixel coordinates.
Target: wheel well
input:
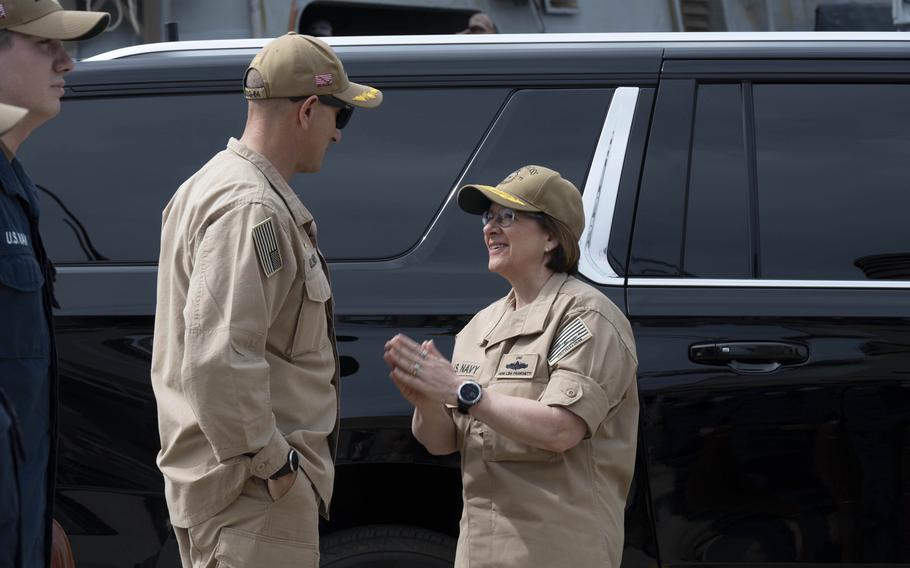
(418, 495)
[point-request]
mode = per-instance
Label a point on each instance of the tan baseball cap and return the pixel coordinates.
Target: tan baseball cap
(531, 188)
(47, 19)
(9, 116)
(296, 65)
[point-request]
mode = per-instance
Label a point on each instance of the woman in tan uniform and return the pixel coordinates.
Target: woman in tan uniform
(540, 396)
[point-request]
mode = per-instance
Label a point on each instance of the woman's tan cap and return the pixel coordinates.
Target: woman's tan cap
(47, 19)
(296, 65)
(531, 188)
(10, 116)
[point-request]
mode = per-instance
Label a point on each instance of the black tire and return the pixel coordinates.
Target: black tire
(387, 546)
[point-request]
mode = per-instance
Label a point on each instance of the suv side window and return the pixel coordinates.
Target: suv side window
(693, 209)
(832, 180)
(556, 128)
(382, 186)
(104, 199)
(781, 182)
(717, 214)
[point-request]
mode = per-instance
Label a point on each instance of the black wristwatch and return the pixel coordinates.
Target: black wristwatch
(469, 394)
(290, 467)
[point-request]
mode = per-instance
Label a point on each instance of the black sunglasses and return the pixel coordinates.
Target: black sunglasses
(344, 114)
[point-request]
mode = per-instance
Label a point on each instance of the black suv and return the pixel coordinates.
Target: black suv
(747, 201)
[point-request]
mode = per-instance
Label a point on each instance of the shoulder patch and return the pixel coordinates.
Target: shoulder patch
(571, 336)
(266, 242)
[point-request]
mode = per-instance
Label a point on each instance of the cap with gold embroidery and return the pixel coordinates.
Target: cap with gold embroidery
(9, 116)
(299, 65)
(533, 189)
(47, 19)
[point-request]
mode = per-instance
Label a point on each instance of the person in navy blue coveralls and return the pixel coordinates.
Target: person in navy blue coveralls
(32, 65)
(10, 442)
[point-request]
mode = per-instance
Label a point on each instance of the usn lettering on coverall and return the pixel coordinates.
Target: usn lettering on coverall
(16, 238)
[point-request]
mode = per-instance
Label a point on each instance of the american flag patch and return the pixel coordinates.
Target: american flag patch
(324, 79)
(2, 12)
(267, 247)
(568, 339)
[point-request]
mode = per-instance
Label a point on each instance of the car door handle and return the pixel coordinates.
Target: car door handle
(750, 356)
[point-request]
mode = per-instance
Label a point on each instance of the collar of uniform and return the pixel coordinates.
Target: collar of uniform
(8, 178)
(527, 321)
(9, 154)
(300, 213)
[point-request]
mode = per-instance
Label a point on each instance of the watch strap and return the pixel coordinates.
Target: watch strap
(290, 465)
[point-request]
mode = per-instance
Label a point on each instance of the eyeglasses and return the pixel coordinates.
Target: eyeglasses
(344, 113)
(504, 218)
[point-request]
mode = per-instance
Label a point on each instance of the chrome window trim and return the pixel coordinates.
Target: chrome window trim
(677, 38)
(617, 281)
(602, 186)
(107, 269)
(734, 283)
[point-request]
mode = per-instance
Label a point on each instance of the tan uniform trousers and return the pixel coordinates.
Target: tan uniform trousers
(255, 531)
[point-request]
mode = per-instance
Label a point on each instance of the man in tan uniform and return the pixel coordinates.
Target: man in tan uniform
(244, 367)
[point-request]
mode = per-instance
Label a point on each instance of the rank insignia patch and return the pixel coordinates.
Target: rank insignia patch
(568, 339)
(267, 247)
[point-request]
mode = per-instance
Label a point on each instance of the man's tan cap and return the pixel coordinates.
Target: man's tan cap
(300, 65)
(531, 188)
(9, 116)
(47, 19)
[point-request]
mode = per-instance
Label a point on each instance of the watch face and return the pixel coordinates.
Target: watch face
(469, 392)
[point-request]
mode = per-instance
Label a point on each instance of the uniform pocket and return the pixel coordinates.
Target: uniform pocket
(496, 446)
(312, 328)
(287, 494)
(240, 549)
(22, 305)
(21, 273)
(295, 516)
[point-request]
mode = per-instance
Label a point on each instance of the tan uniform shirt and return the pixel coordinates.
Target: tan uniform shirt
(529, 507)
(244, 364)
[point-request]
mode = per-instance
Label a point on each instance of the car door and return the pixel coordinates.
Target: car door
(769, 291)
